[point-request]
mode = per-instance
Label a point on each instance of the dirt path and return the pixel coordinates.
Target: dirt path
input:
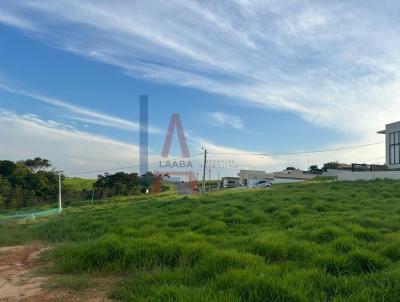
(18, 281)
(16, 266)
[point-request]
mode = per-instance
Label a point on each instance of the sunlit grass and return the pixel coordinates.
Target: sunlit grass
(299, 242)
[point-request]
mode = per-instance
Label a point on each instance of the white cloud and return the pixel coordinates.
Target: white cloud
(10, 19)
(68, 149)
(27, 136)
(336, 64)
(225, 119)
(253, 160)
(83, 114)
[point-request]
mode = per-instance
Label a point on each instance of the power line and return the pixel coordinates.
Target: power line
(212, 153)
(130, 167)
(297, 153)
(104, 170)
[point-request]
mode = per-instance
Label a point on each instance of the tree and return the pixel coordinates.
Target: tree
(330, 165)
(7, 168)
(117, 184)
(314, 170)
(27, 183)
(147, 180)
(37, 164)
(5, 189)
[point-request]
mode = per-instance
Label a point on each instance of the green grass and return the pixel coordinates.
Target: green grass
(314, 241)
(79, 184)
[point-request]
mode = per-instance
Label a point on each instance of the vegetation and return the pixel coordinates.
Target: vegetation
(79, 184)
(316, 241)
(27, 183)
(125, 184)
(34, 182)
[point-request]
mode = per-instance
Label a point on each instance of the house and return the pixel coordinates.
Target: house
(392, 134)
(246, 177)
(290, 175)
(230, 182)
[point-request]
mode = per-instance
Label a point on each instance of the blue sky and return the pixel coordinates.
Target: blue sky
(245, 76)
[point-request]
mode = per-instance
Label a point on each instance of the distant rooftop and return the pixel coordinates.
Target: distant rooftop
(389, 126)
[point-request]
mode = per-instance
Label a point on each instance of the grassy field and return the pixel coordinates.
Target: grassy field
(317, 241)
(79, 184)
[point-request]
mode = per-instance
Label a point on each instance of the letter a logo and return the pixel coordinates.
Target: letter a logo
(175, 123)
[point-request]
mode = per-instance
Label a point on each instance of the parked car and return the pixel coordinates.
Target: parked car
(262, 184)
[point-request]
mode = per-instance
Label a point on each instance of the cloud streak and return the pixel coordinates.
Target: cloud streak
(84, 114)
(335, 64)
(225, 119)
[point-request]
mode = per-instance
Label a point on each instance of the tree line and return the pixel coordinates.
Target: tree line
(34, 182)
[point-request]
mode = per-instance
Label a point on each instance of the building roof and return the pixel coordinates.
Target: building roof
(252, 171)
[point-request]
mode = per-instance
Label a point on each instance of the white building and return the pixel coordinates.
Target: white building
(246, 177)
(294, 174)
(392, 133)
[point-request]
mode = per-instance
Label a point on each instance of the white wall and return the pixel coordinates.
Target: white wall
(369, 175)
(285, 180)
(394, 127)
(335, 172)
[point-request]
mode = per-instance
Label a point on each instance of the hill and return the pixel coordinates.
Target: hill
(79, 184)
(324, 241)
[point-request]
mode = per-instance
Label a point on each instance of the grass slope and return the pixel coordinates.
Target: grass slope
(298, 242)
(79, 184)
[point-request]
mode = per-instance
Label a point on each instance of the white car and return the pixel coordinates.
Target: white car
(262, 184)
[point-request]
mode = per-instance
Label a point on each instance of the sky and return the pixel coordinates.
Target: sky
(245, 76)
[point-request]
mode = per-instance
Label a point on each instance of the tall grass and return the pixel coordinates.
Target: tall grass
(299, 242)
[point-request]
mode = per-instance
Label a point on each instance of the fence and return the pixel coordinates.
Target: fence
(354, 176)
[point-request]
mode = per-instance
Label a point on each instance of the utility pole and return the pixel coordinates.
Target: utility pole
(59, 191)
(204, 170)
(209, 179)
(93, 196)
